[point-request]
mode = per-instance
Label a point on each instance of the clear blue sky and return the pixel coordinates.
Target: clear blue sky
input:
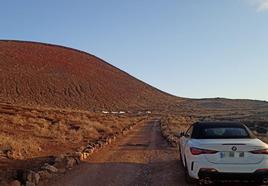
(190, 48)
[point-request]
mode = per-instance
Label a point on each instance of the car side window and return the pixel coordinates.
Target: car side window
(189, 132)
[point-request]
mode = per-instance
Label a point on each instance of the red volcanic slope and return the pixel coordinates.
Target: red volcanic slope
(48, 75)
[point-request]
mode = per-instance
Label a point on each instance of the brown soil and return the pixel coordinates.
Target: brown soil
(54, 76)
(51, 98)
(33, 135)
(142, 158)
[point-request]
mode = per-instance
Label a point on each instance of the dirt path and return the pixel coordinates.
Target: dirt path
(141, 158)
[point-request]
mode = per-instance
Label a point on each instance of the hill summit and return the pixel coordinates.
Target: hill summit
(38, 74)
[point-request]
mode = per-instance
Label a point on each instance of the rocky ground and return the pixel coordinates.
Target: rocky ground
(141, 158)
(44, 147)
(31, 139)
(58, 106)
(172, 124)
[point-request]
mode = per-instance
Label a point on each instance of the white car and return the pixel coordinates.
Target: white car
(213, 151)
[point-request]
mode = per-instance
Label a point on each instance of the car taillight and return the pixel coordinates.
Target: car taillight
(263, 151)
(197, 151)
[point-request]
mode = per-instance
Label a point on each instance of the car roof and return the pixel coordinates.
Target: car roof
(218, 124)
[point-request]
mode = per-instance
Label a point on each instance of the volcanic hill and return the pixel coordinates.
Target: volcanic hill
(38, 74)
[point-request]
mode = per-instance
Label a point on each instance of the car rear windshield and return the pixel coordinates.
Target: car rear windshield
(220, 132)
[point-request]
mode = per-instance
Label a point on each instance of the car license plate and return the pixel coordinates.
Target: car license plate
(232, 154)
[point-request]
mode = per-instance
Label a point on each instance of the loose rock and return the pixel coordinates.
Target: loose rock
(70, 162)
(28, 183)
(15, 183)
(44, 175)
(50, 168)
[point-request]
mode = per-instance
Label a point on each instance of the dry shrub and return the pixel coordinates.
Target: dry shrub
(90, 132)
(101, 128)
(20, 146)
(26, 129)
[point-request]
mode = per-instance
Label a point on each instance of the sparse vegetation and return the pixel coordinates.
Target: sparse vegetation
(30, 132)
(254, 116)
(38, 80)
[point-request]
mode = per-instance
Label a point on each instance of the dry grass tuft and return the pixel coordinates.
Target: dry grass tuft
(35, 132)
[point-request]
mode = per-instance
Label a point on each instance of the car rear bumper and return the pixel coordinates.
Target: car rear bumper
(196, 167)
(256, 176)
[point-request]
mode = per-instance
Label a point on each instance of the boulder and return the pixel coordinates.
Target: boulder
(97, 145)
(10, 154)
(85, 155)
(36, 178)
(77, 159)
(101, 142)
(109, 140)
(61, 170)
(44, 175)
(70, 162)
(90, 146)
(29, 176)
(50, 168)
(32, 177)
(77, 154)
(59, 158)
(28, 183)
(89, 150)
(14, 183)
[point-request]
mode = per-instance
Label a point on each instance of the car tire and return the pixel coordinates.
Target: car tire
(181, 157)
(188, 178)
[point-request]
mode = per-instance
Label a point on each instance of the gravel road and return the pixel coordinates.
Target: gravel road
(143, 157)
